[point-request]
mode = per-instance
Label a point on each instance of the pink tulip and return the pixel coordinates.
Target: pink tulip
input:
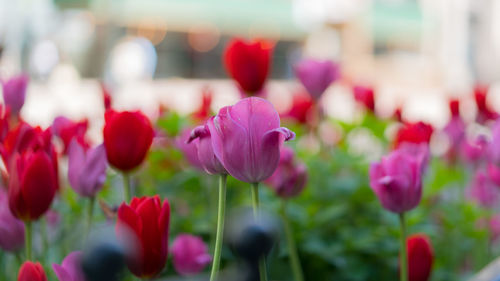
(190, 254)
(14, 93)
(206, 154)
(290, 177)
(494, 154)
(474, 150)
(397, 178)
(11, 228)
(189, 150)
(86, 168)
(483, 191)
(317, 75)
(247, 137)
(70, 269)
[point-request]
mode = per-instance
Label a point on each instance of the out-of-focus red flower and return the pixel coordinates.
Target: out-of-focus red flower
(4, 122)
(419, 132)
(398, 114)
(146, 222)
(127, 138)
(365, 96)
(203, 112)
(67, 130)
(31, 271)
(484, 112)
(106, 96)
(420, 257)
(248, 63)
(454, 106)
(302, 108)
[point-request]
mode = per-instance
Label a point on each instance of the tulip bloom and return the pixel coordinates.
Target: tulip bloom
(14, 93)
(302, 109)
(317, 75)
(419, 132)
(290, 177)
(67, 130)
(483, 191)
(190, 254)
(248, 63)
(71, 268)
(455, 131)
(31, 271)
(247, 137)
(127, 139)
(484, 112)
(11, 229)
(189, 148)
(397, 178)
(365, 96)
(420, 257)
(206, 154)
(86, 169)
(475, 150)
(146, 220)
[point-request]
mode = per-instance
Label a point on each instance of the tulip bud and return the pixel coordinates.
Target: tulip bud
(71, 268)
(317, 75)
(420, 257)
(302, 109)
(11, 229)
(127, 139)
(31, 271)
(190, 254)
(247, 137)
(419, 132)
(86, 169)
(14, 93)
(484, 111)
(206, 155)
(289, 179)
(365, 96)
(248, 63)
(397, 178)
(146, 219)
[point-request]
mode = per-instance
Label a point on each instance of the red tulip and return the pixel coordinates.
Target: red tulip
(146, 221)
(203, 112)
(248, 63)
(454, 105)
(4, 121)
(302, 109)
(419, 132)
(484, 112)
(106, 97)
(420, 257)
(67, 130)
(127, 138)
(365, 96)
(31, 271)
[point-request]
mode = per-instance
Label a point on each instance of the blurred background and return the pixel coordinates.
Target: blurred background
(416, 54)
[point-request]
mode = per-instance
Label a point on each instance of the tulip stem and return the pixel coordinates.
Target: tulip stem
(255, 205)
(220, 227)
(90, 214)
(292, 247)
(404, 257)
(126, 186)
(29, 232)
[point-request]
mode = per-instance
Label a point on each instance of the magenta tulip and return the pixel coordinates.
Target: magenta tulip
(11, 228)
(317, 75)
(290, 177)
(86, 169)
(70, 269)
(190, 150)
(14, 93)
(474, 150)
(247, 137)
(483, 191)
(397, 178)
(190, 254)
(206, 154)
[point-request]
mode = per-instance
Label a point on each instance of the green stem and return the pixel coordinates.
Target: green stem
(255, 205)
(292, 247)
(90, 214)
(126, 186)
(220, 227)
(29, 232)
(404, 257)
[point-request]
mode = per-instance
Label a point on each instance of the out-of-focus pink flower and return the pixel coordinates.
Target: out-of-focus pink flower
(206, 155)
(420, 257)
(11, 228)
(455, 132)
(190, 150)
(67, 130)
(494, 154)
(290, 177)
(483, 191)
(494, 225)
(474, 151)
(365, 96)
(14, 93)
(86, 168)
(419, 132)
(247, 137)
(397, 178)
(317, 75)
(484, 112)
(190, 254)
(53, 218)
(70, 268)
